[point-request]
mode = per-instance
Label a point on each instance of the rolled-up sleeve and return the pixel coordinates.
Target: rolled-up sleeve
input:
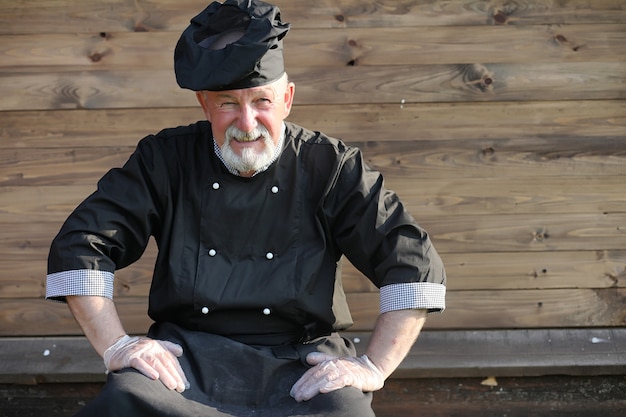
(382, 240)
(79, 282)
(414, 295)
(109, 230)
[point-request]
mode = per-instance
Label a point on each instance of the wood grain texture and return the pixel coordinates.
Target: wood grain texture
(501, 125)
(556, 396)
(453, 234)
(454, 45)
(496, 353)
(589, 126)
(423, 197)
(306, 48)
(24, 276)
(46, 16)
(437, 354)
(477, 310)
(100, 89)
(516, 309)
(417, 170)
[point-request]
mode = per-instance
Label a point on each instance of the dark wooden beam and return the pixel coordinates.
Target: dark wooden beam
(493, 353)
(513, 353)
(554, 396)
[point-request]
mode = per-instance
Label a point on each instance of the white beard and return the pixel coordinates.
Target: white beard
(250, 160)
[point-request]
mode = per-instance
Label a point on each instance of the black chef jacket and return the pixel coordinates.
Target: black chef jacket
(254, 259)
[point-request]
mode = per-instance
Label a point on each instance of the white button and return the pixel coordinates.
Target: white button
(216, 185)
(269, 255)
(266, 311)
(205, 310)
(212, 252)
(274, 189)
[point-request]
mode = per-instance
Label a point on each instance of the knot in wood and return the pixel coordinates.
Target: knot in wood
(476, 76)
(95, 57)
(488, 151)
(500, 18)
(540, 235)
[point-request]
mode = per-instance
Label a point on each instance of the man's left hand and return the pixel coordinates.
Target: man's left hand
(331, 373)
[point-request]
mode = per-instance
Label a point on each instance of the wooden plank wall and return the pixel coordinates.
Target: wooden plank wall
(500, 123)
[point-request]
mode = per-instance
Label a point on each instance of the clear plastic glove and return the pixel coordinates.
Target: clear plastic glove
(156, 359)
(331, 373)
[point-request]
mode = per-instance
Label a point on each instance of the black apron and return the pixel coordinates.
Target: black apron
(229, 378)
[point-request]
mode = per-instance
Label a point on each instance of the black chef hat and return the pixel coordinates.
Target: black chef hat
(237, 44)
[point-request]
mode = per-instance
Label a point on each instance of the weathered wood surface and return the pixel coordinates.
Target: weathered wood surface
(24, 275)
(501, 124)
(347, 85)
(463, 233)
(470, 196)
(104, 69)
(548, 253)
(427, 174)
(554, 396)
(569, 131)
(437, 354)
(448, 373)
(331, 48)
(472, 309)
(164, 15)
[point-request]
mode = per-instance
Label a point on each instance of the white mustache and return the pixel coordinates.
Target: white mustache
(234, 133)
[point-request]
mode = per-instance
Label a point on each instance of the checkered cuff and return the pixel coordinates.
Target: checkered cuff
(79, 282)
(413, 295)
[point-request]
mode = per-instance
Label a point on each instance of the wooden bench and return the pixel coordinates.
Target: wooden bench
(437, 354)
(447, 372)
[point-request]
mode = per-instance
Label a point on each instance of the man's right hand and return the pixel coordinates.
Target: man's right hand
(156, 359)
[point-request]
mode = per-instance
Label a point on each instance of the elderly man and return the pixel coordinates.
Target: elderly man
(251, 215)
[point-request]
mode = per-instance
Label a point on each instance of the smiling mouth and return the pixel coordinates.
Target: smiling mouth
(247, 139)
(240, 136)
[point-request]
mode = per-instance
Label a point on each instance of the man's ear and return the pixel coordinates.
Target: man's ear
(289, 93)
(202, 99)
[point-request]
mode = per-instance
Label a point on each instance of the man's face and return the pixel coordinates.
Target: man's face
(247, 123)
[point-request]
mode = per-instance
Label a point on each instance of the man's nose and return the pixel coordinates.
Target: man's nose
(247, 119)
